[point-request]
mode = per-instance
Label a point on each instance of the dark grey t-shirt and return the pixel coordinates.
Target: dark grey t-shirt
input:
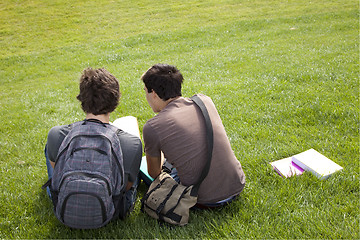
(131, 147)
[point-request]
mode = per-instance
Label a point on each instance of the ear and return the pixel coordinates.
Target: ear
(154, 94)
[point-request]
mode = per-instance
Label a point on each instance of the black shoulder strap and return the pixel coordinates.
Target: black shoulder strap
(210, 142)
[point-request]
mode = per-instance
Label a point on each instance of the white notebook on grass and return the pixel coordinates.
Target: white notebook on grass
(315, 162)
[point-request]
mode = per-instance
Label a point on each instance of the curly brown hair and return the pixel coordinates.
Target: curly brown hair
(99, 91)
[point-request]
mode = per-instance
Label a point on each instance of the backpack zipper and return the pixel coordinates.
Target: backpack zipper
(89, 175)
(90, 148)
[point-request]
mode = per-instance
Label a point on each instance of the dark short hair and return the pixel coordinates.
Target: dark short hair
(164, 79)
(99, 91)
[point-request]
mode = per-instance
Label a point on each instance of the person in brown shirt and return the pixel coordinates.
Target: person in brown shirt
(178, 133)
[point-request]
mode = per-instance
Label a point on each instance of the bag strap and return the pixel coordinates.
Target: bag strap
(209, 140)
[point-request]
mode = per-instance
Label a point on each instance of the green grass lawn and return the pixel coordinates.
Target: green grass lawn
(283, 74)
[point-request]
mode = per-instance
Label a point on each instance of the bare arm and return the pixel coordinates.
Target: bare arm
(129, 185)
(154, 165)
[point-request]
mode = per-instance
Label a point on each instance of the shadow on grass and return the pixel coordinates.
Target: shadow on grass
(136, 225)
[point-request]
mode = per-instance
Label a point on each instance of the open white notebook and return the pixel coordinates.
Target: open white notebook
(128, 124)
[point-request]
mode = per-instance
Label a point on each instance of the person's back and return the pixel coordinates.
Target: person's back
(178, 131)
(93, 165)
(88, 176)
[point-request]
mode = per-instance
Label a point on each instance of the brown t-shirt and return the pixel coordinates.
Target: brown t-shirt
(179, 132)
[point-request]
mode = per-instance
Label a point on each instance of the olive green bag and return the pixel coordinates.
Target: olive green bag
(170, 201)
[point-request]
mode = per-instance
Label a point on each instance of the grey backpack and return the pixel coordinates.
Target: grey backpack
(88, 184)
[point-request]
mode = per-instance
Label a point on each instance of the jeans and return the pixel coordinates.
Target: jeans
(130, 195)
(50, 170)
(174, 175)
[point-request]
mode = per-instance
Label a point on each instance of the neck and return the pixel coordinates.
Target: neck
(165, 103)
(105, 118)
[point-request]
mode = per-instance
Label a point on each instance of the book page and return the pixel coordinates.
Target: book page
(128, 124)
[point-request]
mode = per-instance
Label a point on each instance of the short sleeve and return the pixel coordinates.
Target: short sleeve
(131, 147)
(151, 141)
(55, 137)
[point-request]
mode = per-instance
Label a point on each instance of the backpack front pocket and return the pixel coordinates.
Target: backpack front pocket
(84, 201)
